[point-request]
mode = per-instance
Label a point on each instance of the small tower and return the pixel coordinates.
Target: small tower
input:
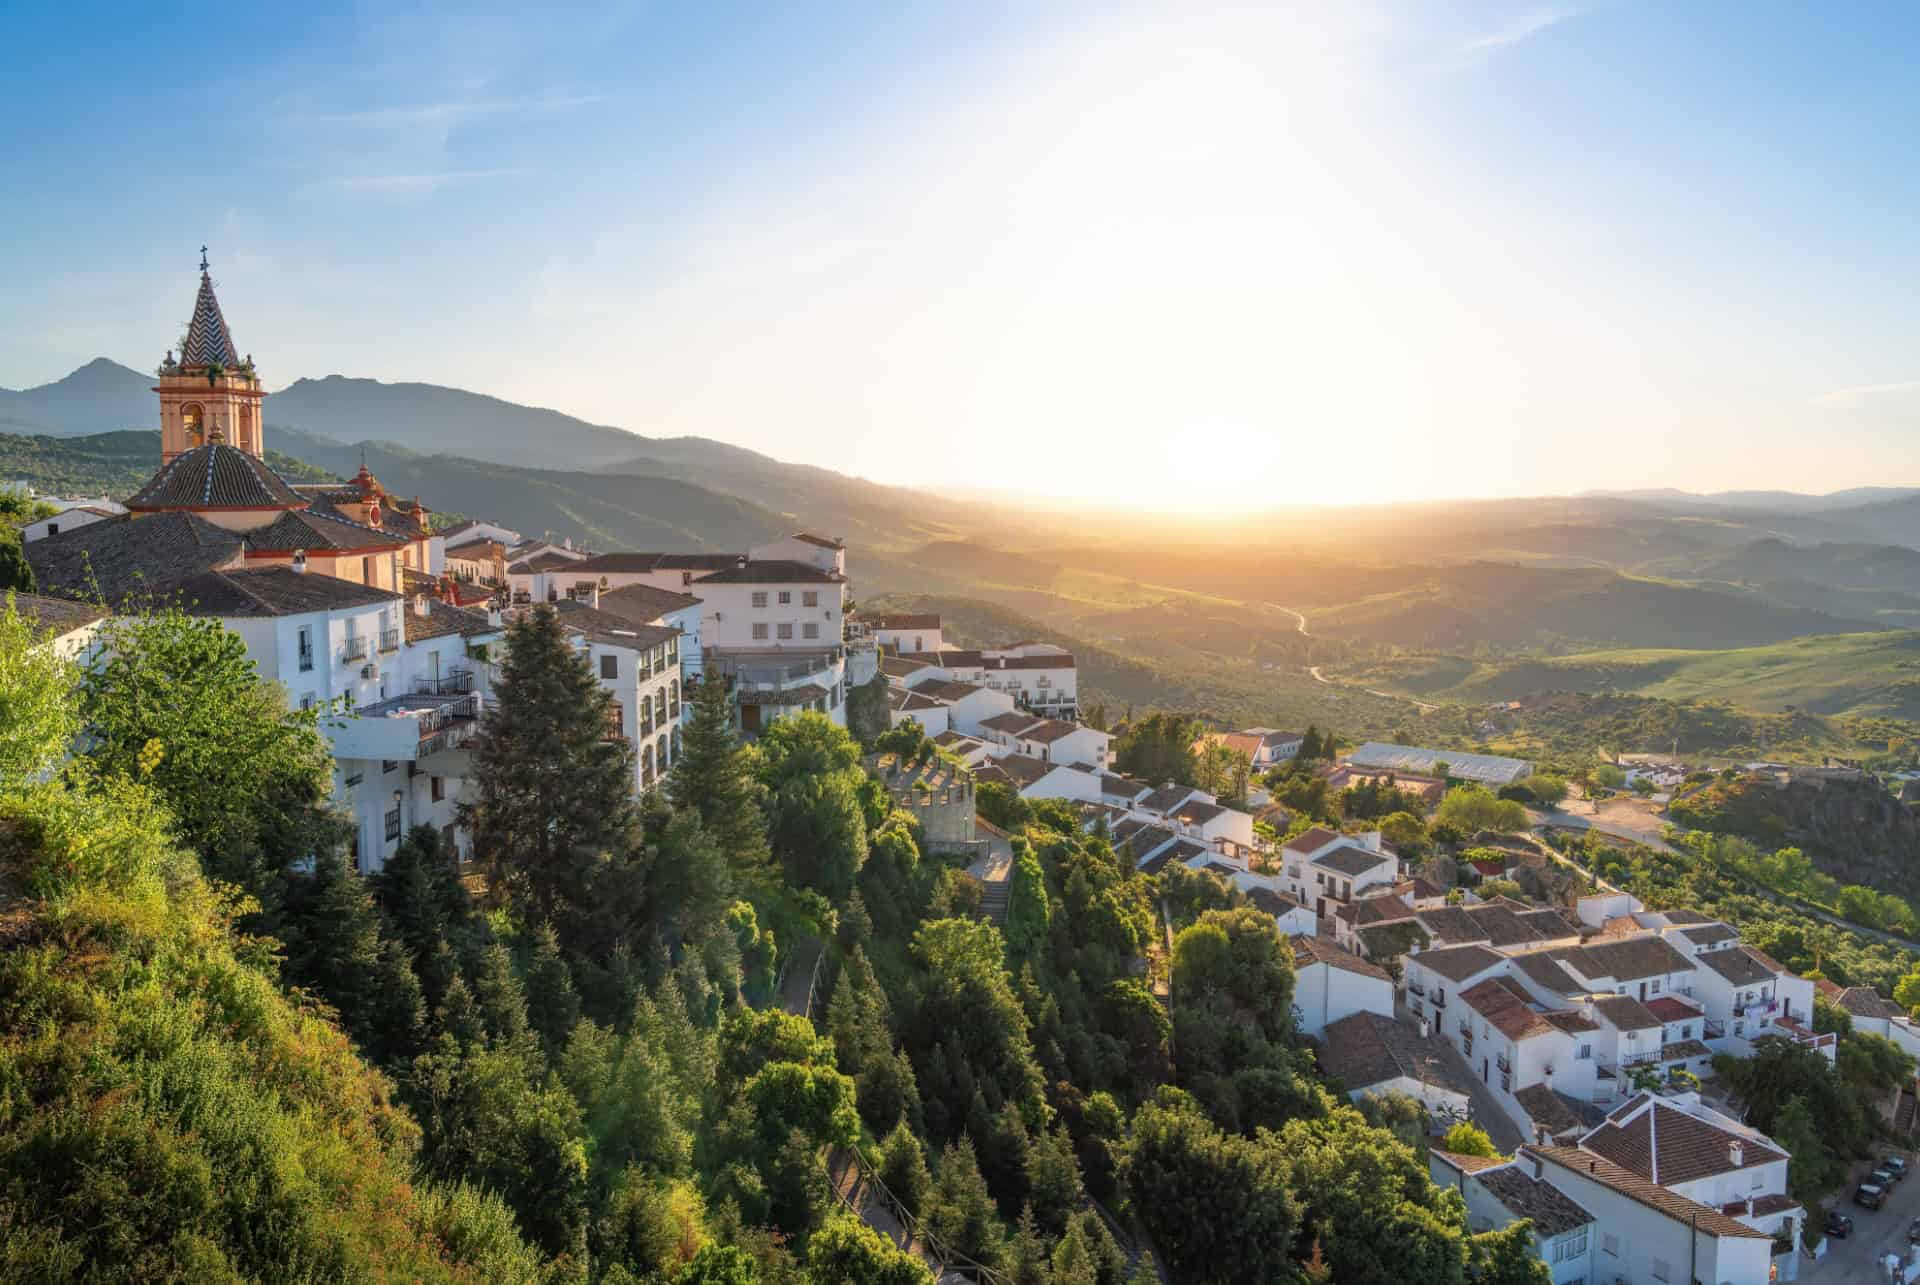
(208, 388)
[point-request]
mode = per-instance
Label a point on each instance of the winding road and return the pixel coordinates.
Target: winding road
(1300, 623)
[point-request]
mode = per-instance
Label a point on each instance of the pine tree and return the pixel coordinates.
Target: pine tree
(553, 794)
(712, 777)
(333, 941)
(503, 1006)
(903, 1168)
(459, 1015)
(960, 1212)
(551, 1000)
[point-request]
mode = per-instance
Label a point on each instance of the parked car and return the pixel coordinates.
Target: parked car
(1869, 1196)
(1882, 1178)
(1839, 1225)
(1897, 1165)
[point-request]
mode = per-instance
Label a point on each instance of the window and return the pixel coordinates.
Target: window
(760, 598)
(609, 666)
(1757, 1183)
(786, 598)
(306, 701)
(760, 633)
(1739, 1028)
(1611, 1244)
(1686, 1032)
(810, 630)
(1656, 985)
(53, 528)
(1661, 1271)
(438, 788)
(785, 630)
(354, 778)
(616, 721)
(810, 597)
(1570, 1246)
(387, 765)
(306, 648)
(393, 825)
(1585, 1053)
(366, 571)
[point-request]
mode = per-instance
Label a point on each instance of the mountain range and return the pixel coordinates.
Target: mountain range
(1555, 575)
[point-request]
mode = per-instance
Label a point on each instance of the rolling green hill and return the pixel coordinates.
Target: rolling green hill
(1871, 674)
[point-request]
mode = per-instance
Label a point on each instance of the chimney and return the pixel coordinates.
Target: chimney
(420, 607)
(494, 615)
(299, 562)
(1426, 1028)
(593, 596)
(741, 562)
(1736, 1153)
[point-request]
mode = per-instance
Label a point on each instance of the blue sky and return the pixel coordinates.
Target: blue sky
(1174, 256)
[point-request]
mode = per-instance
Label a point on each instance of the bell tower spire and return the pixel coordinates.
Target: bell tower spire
(209, 393)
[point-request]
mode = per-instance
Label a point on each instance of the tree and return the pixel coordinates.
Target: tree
(334, 949)
(1507, 1256)
(552, 1002)
(552, 793)
(713, 776)
(1471, 808)
(1607, 775)
(1548, 790)
(817, 806)
(903, 1168)
(960, 1213)
(845, 1251)
(39, 715)
(1403, 830)
(172, 700)
(1468, 1139)
(1158, 748)
(1220, 1207)
(1028, 912)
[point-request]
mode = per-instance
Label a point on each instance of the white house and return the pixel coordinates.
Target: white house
(69, 627)
(1645, 1232)
(70, 518)
(647, 605)
(1749, 995)
(639, 665)
(968, 706)
(1500, 1192)
(1330, 983)
(474, 529)
(934, 716)
(1034, 779)
(904, 633)
(1372, 1054)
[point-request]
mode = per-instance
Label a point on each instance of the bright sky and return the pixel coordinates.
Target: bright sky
(1176, 257)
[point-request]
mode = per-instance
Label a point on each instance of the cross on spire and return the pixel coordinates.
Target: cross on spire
(203, 258)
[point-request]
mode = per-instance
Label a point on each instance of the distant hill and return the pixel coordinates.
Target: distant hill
(100, 397)
(1532, 607)
(431, 420)
(1874, 674)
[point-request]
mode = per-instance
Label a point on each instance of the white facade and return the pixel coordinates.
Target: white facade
(68, 519)
(1329, 985)
(645, 682)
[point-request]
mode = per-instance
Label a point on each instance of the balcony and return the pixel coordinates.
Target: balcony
(1713, 1030)
(1500, 1060)
(456, 683)
(1415, 988)
(355, 649)
(1439, 999)
(405, 728)
(389, 640)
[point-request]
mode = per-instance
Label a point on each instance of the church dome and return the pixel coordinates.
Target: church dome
(216, 476)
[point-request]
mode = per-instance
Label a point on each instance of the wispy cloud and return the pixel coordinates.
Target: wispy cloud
(449, 112)
(417, 184)
(1528, 22)
(1848, 398)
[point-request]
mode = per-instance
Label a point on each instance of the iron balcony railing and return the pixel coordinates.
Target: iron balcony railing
(454, 683)
(354, 649)
(389, 640)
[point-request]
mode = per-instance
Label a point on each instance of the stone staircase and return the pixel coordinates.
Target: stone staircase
(994, 896)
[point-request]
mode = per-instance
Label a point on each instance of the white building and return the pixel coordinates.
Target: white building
(68, 627)
(1500, 1192)
(71, 517)
(1330, 983)
(1490, 770)
(1372, 1054)
(639, 666)
(1325, 869)
(903, 632)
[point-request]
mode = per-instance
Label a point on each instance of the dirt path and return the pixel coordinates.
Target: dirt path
(1300, 623)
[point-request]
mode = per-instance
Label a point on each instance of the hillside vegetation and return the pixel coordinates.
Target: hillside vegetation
(1869, 674)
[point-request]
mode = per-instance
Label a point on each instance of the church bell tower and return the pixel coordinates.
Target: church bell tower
(208, 393)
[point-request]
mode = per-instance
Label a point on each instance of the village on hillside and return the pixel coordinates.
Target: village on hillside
(1576, 1025)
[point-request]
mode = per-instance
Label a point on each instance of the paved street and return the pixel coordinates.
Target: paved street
(1875, 1234)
